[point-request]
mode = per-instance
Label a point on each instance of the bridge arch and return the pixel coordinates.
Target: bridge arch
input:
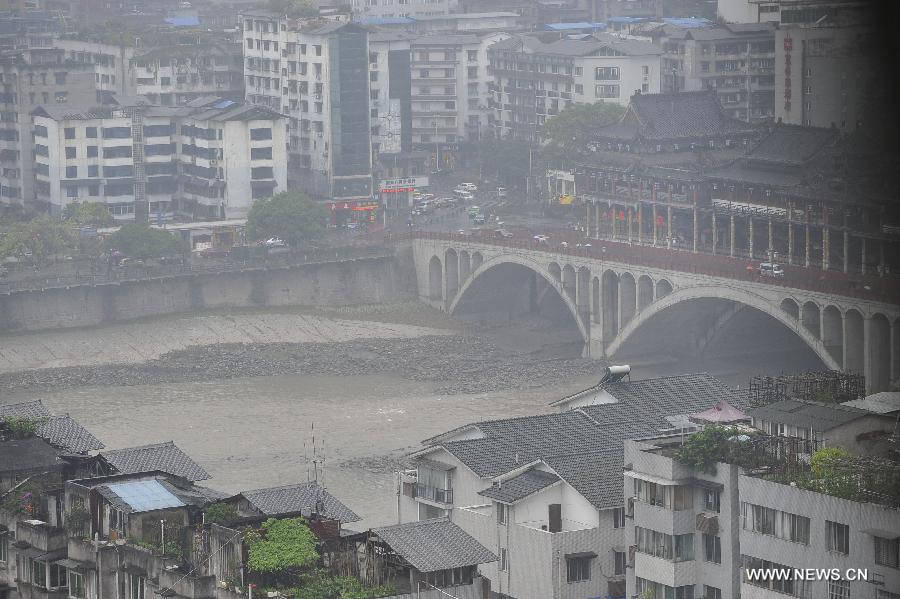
(752, 300)
(644, 291)
(663, 288)
(555, 271)
(451, 271)
(790, 306)
(879, 375)
(435, 279)
(535, 267)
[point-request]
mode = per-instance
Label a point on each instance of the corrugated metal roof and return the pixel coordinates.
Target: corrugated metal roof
(145, 495)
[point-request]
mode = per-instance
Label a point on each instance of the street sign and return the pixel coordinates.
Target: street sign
(403, 184)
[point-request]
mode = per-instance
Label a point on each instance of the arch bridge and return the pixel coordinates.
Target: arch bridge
(612, 294)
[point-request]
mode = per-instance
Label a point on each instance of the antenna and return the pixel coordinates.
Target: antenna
(314, 456)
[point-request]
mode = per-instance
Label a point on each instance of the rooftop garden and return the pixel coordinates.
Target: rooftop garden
(798, 462)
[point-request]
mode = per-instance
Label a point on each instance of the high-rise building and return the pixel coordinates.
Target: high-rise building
(318, 75)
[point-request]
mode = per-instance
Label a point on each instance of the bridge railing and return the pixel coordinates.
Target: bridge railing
(872, 288)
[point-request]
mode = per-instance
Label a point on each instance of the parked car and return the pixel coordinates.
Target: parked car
(541, 238)
(275, 242)
(503, 233)
(467, 187)
(501, 192)
(768, 269)
(479, 219)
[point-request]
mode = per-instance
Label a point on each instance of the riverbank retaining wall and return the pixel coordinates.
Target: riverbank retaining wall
(369, 280)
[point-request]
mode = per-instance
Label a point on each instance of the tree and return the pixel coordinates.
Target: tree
(294, 8)
(88, 214)
(40, 237)
(285, 546)
(138, 240)
(290, 216)
(568, 134)
(834, 472)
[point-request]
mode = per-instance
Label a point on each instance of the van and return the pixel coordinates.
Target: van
(768, 269)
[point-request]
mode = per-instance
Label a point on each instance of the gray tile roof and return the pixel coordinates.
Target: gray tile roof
(584, 445)
(687, 115)
(299, 499)
(65, 432)
(807, 414)
(792, 144)
(885, 402)
(521, 486)
(27, 409)
(165, 457)
(32, 453)
(436, 544)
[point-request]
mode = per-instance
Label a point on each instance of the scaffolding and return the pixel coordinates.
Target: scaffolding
(827, 386)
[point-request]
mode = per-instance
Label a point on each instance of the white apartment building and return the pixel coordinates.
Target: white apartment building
(694, 534)
(544, 492)
(111, 63)
(534, 80)
(317, 75)
(209, 159)
(450, 85)
(402, 8)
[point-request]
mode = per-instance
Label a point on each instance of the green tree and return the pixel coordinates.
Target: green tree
(221, 513)
(568, 134)
(834, 472)
(702, 450)
(88, 214)
(138, 240)
(290, 216)
(40, 237)
(284, 546)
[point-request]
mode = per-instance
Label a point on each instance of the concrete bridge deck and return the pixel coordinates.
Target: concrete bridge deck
(612, 289)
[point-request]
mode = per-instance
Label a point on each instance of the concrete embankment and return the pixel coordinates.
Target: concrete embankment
(364, 280)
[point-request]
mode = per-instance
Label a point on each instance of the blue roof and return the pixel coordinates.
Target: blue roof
(145, 495)
(689, 22)
(384, 20)
(579, 25)
(627, 19)
(183, 21)
(224, 104)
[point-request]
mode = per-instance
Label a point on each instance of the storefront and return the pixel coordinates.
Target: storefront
(353, 213)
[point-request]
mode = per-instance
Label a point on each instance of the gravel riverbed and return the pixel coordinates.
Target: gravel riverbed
(457, 363)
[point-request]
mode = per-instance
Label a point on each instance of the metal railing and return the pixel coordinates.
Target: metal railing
(434, 494)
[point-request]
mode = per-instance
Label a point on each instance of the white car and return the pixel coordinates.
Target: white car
(275, 242)
(767, 269)
(541, 238)
(467, 187)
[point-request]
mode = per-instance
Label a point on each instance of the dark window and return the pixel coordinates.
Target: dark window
(260, 153)
(619, 517)
(93, 170)
(117, 152)
(71, 172)
(261, 172)
(116, 132)
(712, 548)
(70, 132)
(92, 151)
(40, 131)
(619, 557)
(60, 78)
(265, 133)
(711, 498)
(838, 536)
(90, 132)
(93, 190)
(578, 569)
(70, 152)
(125, 170)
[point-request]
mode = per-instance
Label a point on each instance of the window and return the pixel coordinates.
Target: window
(645, 70)
(116, 132)
(503, 564)
(373, 76)
(678, 548)
(578, 569)
(264, 133)
(606, 73)
(619, 560)
(887, 552)
(71, 172)
(93, 170)
(712, 549)
(70, 132)
(619, 517)
(117, 152)
(70, 153)
(90, 132)
(136, 588)
(38, 573)
(711, 500)
(4, 555)
(261, 172)
(260, 153)
(661, 591)
(501, 513)
(606, 91)
(579, 89)
(838, 537)
(787, 585)
(40, 131)
(684, 547)
(41, 150)
(57, 575)
(839, 589)
(60, 78)
(579, 71)
(711, 592)
(472, 72)
(125, 170)
(92, 151)
(93, 190)
(472, 55)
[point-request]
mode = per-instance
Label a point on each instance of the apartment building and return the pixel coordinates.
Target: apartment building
(450, 83)
(30, 78)
(390, 94)
(112, 63)
(542, 492)
(208, 160)
(318, 75)
(694, 533)
(535, 79)
(737, 61)
(793, 11)
(402, 8)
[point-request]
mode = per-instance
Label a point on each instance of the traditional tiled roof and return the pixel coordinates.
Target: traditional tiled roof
(584, 445)
(436, 544)
(299, 499)
(65, 432)
(165, 457)
(519, 487)
(885, 402)
(792, 144)
(808, 414)
(27, 409)
(32, 453)
(682, 115)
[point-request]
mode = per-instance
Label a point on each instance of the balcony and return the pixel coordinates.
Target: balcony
(434, 494)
